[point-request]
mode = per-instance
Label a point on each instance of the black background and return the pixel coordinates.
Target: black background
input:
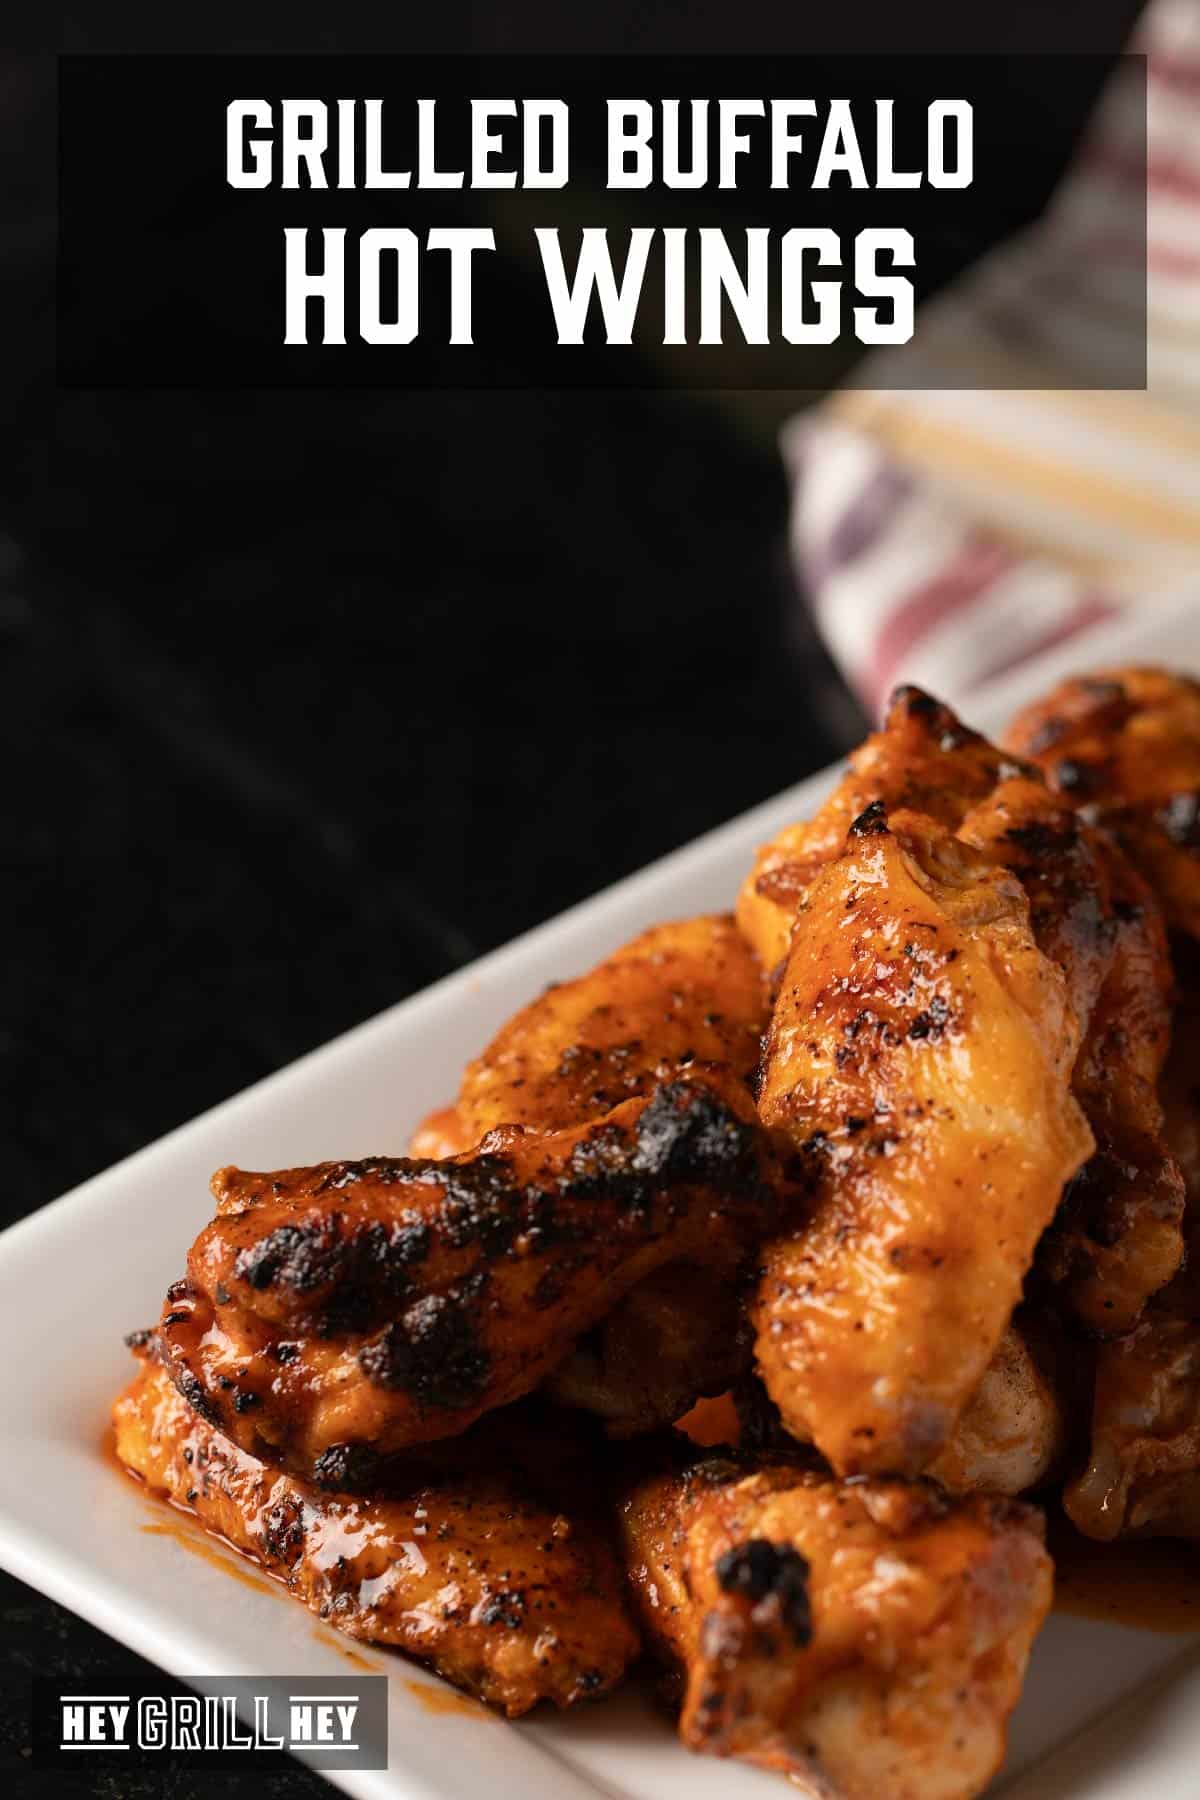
(308, 698)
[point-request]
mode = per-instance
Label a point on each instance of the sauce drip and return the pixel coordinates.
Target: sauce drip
(333, 1642)
(212, 1550)
(443, 1700)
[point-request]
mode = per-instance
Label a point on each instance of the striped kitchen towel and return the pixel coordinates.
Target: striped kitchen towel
(946, 534)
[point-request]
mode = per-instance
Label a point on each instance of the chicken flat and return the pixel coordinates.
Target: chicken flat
(921, 1052)
(335, 1315)
(497, 1573)
(680, 999)
(864, 1638)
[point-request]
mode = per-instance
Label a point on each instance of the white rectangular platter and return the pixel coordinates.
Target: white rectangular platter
(1109, 1712)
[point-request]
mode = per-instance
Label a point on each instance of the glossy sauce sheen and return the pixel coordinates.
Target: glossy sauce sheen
(1154, 1585)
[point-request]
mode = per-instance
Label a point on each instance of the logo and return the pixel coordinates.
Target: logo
(330, 1724)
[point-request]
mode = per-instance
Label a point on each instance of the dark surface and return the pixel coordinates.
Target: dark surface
(307, 701)
(308, 718)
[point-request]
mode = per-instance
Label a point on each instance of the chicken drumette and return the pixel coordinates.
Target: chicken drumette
(866, 1638)
(938, 796)
(497, 1570)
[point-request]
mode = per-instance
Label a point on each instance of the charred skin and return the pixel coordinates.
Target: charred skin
(1119, 1238)
(334, 1316)
(497, 1573)
(1123, 745)
(920, 1057)
(864, 1638)
(681, 999)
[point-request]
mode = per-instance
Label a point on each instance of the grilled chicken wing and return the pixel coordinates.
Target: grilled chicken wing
(496, 1573)
(864, 1638)
(920, 1051)
(1118, 1238)
(1124, 745)
(679, 998)
(334, 1315)
(1142, 1476)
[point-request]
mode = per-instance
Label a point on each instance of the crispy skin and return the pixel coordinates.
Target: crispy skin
(1142, 1475)
(496, 1573)
(1118, 1238)
(679, 997)
(1124, 744)
(682, 998)
(920, 1050)
(335, 1315)
(924, 760)
(866, 1639)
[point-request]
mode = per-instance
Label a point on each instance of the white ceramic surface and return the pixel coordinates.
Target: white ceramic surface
(1109, 1713)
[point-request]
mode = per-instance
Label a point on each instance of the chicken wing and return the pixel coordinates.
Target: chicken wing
(1124, 745)
(497, 1573)
(679, 998)
(864, 1638)
(335, 1315)
(1118, 1238)
(921, 1050)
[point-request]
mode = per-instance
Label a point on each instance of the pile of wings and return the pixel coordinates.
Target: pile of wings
(902, 1161)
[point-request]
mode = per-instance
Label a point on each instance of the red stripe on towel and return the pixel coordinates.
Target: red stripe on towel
(959, 585)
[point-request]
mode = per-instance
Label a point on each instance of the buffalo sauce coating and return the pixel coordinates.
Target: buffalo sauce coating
(920, 1058)
(496, 1587)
